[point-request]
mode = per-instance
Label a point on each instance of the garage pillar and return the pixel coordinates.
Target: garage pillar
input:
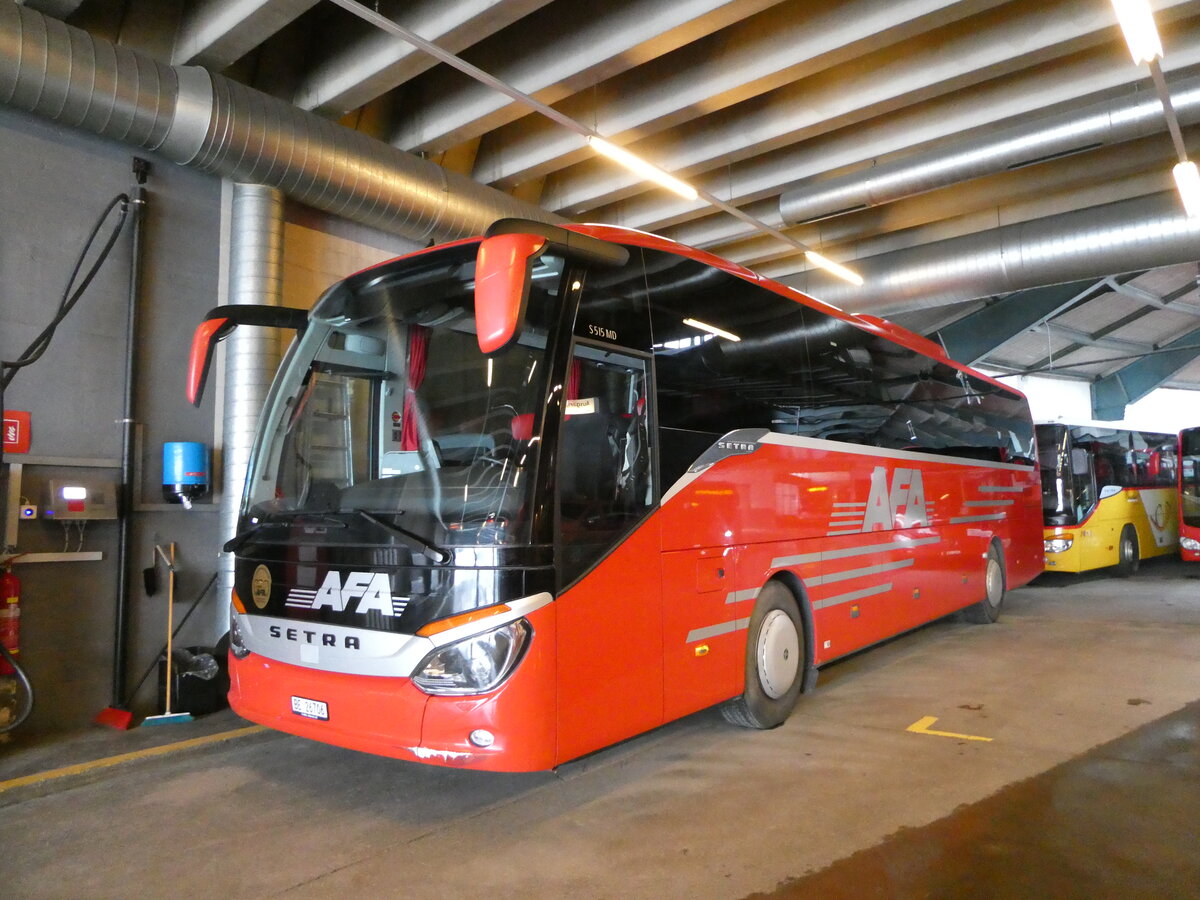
(251, 354)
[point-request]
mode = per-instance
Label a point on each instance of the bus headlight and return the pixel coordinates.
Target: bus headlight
(1188, 543)
(1058, 545)
(236, 645)
(474, 665)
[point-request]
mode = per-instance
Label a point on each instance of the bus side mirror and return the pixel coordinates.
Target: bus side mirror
(503, 269)
(219, 324)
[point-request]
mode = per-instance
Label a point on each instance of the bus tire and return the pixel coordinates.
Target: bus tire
(1129, 555)
(775, 661)
(995, 586)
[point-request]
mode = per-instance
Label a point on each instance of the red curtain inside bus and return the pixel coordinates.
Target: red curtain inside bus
(418, 347)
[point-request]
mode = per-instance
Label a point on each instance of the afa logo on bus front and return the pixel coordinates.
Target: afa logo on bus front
(363, 592)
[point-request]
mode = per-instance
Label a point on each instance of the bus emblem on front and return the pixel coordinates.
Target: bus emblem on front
(260, 587)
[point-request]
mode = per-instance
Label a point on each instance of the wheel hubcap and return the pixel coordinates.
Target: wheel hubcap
(995, 582)
(778, 654)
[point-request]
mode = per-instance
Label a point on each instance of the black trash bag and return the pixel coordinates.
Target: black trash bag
(199, 680)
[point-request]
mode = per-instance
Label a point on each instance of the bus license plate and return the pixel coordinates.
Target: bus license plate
(310, 709)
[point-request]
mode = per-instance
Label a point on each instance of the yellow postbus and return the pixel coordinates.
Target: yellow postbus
(1109, 497)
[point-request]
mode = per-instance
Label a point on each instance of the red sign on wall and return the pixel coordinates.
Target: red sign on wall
(16, 431)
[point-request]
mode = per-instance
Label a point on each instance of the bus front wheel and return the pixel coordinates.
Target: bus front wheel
(775, 662)
(1129, 555)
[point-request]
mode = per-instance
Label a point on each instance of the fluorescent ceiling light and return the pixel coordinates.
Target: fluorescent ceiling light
(712, 329)
(643, 168)
(1187, 179)
(1137, 21)
(830, 266)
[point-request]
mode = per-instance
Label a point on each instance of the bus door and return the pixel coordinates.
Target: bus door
(610, 613)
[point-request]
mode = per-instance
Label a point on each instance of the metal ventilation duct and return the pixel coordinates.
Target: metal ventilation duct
(1077, 131)
(251, 354)
(1142, 233)
(194, 118)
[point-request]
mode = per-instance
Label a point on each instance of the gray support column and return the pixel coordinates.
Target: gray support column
(977, 334)
(251, 354)
(1112, 393)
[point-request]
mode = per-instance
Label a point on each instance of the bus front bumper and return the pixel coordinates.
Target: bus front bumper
(510, 729)
(1062, 552)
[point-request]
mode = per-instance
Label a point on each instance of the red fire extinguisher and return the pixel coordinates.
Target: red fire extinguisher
(10, 616)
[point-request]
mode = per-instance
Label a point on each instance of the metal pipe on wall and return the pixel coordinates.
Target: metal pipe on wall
(251, 354)
(137, 215)
(206, 121)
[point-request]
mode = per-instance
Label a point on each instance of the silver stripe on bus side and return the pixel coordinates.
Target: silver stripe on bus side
(840, 533)
(964, 520)
(989, 503)
(861, 504)
(851, 597)
(792, 440)
(703, 634)
(848, 514)
(784, 562)
(1001, 489)
(847, 574)
(684, 480)
(739, 596)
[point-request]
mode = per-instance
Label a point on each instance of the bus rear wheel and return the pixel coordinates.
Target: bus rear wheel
(1129, 555)
(987, 610)
(775, 662)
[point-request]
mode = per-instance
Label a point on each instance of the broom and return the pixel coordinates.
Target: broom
(168, 717)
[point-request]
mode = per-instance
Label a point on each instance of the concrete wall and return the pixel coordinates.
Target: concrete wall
(54, 183)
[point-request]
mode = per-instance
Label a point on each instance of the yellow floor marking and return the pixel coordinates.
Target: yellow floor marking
(80, 768)
(921, 726)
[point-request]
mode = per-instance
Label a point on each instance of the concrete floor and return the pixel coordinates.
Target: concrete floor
(1090, 786)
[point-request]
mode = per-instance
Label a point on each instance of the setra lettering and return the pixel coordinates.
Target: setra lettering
(323, 638)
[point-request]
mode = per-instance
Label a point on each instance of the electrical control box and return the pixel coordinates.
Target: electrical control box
(86, 497)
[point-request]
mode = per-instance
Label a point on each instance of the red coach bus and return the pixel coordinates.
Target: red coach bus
(515, 499)
(1189, 494)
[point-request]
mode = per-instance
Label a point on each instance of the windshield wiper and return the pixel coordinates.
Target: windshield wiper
(413, 540)
(298, 516)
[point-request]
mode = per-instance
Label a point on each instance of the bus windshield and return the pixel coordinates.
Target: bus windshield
(1083, 464)
(1068, 480)
(388, 418)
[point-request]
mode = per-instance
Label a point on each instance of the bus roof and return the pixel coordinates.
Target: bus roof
(874, 324)
(632, 237)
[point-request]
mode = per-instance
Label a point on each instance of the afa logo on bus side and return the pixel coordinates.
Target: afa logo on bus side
(900, 504)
